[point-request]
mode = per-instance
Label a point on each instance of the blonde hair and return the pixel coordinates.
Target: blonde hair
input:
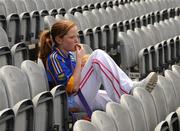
(47, 37)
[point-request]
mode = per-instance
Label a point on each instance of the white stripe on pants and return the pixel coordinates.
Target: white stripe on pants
(101, 69)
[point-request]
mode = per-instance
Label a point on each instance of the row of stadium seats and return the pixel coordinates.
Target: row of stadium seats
(141, 46)
(12, 55)
(143, 111)
(96, 33)
(23, 21)
(26, 102)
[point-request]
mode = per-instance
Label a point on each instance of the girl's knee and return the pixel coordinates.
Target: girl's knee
(98, 51)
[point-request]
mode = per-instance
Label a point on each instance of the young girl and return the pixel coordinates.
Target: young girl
(85, 74)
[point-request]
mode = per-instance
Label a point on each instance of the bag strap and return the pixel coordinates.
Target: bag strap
(85, 104)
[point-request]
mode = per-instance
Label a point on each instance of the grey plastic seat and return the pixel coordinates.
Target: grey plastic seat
(113, 36)
(45, 8)
(5, 56)
(127, 50)
(160, 103)
(66, 4)
(136, 112)
(176, 69)
(104, 28)
(120, 116)
(49, 21)
(36, 19)
(13, 22)
(18, 95)
(38, 84)
(174, 78)
(83, 125)
(50, 6)
(102, 121)
(20, 52)
(173, 121)
(167, 87)
(7, 116)
(92, 23)
(87, 35)
(5, 53)
(136, 42)
(25, 28)
(148, 107)
(162, 126)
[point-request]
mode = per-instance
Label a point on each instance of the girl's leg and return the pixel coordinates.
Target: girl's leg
(100, 68)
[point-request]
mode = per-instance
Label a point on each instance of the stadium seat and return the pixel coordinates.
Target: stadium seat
(18, 95)
(127, 50)
(83, 125)
(93, 24)
(148, 107)
(135, 111)
(173, 121)
(38, 84)
(5, 56)
(120, 116)
(160, 103)
(7, 116)
(174, 78)
(13, 22)
(176, 69)
(20, 52)
(66, 4)
(167, 87)
(162, 126)
(102, 121)
(50, 6)
(36, 19)
(48, 22)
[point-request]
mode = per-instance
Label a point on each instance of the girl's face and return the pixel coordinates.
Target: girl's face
(70, 40)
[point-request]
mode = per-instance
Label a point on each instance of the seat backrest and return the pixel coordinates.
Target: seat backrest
(5, 56)
(20, 52)
(49, 4)
(30, 5)
(136, 43)
(2, 9)
(99, 17)
(3, 38)
(148, 106)
(16, 83)
(84, 23)
(167, 87)
(40, 5)
(49, 21)
(162, 126)
(127, 49)
(3, 97)
(66, 4)
(174, 78)
(73, 18)
(20, 6)
(120, 116)
(35, 77)
(83, 125)
(91, 18)
(104, 122)
(136, 112)
(10, 6)
(160, 103)
(176, 69)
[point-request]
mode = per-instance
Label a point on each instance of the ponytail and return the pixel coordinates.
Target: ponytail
(45, 44)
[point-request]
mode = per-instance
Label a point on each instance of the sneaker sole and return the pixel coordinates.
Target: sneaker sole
(152, 82)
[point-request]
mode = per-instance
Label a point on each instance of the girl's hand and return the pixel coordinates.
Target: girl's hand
(80, 52)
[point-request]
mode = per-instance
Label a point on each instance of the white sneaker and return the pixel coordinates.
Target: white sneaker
(148, 83)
